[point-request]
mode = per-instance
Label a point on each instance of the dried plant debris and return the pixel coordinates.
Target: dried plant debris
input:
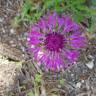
(9, 73)
(79, 80)
(10, 52)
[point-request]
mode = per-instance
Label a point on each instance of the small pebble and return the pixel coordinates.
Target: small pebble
(11, 41)
(1, 19)
(90, 64)
(12, 31)
(72, 75)
(78, 85)
(83, 81)
(3, 30)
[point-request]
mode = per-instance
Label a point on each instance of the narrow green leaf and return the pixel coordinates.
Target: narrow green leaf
(38, 78)
(62, 81)
(30, 94)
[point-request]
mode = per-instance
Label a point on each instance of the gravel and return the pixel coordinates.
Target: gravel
(80, 79)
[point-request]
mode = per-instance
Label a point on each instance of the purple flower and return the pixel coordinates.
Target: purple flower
(55, 41)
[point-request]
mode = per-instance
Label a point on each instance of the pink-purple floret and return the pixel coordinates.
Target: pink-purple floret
(55, 41)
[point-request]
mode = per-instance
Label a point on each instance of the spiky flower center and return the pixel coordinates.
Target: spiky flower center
(54, 41)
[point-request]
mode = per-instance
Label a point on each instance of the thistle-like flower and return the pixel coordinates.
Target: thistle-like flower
(55, 41)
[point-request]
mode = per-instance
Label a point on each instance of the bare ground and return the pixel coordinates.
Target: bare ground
(79, 80)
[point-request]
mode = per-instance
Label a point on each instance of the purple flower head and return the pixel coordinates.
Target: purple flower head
(55, 41)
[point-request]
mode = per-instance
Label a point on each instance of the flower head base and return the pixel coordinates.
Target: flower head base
(55, 41)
